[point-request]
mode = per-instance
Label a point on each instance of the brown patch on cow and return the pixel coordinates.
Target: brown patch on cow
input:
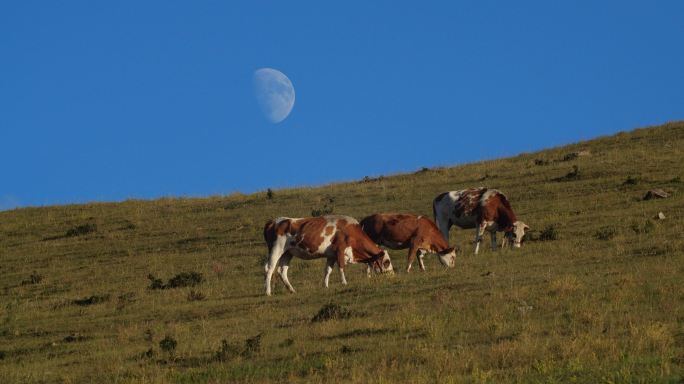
(401, 231)
(309, 234)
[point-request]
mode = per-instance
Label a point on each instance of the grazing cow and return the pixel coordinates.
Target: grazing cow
(482, 209)
(417, 233)
(339, 239)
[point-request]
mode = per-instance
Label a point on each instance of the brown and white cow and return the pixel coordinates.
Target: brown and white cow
(417, 233)
(337, 238)
(482, 209)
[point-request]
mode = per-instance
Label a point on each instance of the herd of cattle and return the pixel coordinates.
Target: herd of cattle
(343, 240)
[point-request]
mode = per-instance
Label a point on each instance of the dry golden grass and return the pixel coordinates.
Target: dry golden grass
(603, 302)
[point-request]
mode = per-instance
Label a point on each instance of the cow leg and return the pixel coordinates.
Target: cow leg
(329, 263)
(411, 256)
(276, 252)
(342, 261)
(282, 270)
(344, 279)
(479, 232)
(493, 233)
(421, 253)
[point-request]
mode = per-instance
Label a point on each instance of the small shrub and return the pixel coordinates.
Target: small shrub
(148, 354)
(74, 337)
(541, 162)
(168, 344)
(185, 279)
(269, 194)
(368, 179)
(676, 180)
(631, 181)
(91, 300)
(327, 209)
(347, 349)
(81, 230)
(252, 345)
(549, 233)
(196, 296)
(605, 233)
(35, 278)
(155, 283)
(331, 311)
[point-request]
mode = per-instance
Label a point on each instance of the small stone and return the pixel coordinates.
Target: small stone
(655, 194)
(660, 216)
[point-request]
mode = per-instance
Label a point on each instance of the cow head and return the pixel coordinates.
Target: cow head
(516, 234)
(382, 263)
(448, 257)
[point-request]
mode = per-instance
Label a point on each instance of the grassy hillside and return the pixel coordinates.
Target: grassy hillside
(602, 302)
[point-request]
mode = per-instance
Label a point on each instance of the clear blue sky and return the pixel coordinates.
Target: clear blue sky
(109, 100)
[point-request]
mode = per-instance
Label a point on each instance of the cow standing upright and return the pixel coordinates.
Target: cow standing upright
(337, 238)
(480, 208)
(417, 233)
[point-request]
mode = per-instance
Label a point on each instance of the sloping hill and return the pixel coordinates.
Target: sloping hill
(604, 301)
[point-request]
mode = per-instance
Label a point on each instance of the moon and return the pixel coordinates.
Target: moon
(275, 94)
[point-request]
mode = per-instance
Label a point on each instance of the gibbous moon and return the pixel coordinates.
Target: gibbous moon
(275, 94)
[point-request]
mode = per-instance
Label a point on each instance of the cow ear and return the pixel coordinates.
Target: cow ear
(526, 227)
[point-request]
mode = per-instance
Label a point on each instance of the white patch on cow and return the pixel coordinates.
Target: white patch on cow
(282, 218)
(485, 196)
(349, 256)
(327, 239)
(335, 218)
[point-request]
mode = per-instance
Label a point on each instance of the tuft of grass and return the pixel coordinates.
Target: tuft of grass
(331, 311)
(252, 346)
(630, 180)
(196, 296)
(183, 279)
(81, 230)
(549, 233)
(168, 344)
(91, 300)
(227, 351)
(35, 278)
(605, 233)
(327, 208)
(646, 227)
(570, 176)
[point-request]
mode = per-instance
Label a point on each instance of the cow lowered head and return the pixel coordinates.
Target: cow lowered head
(515, 236)
(447, 257)
(382, 263)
